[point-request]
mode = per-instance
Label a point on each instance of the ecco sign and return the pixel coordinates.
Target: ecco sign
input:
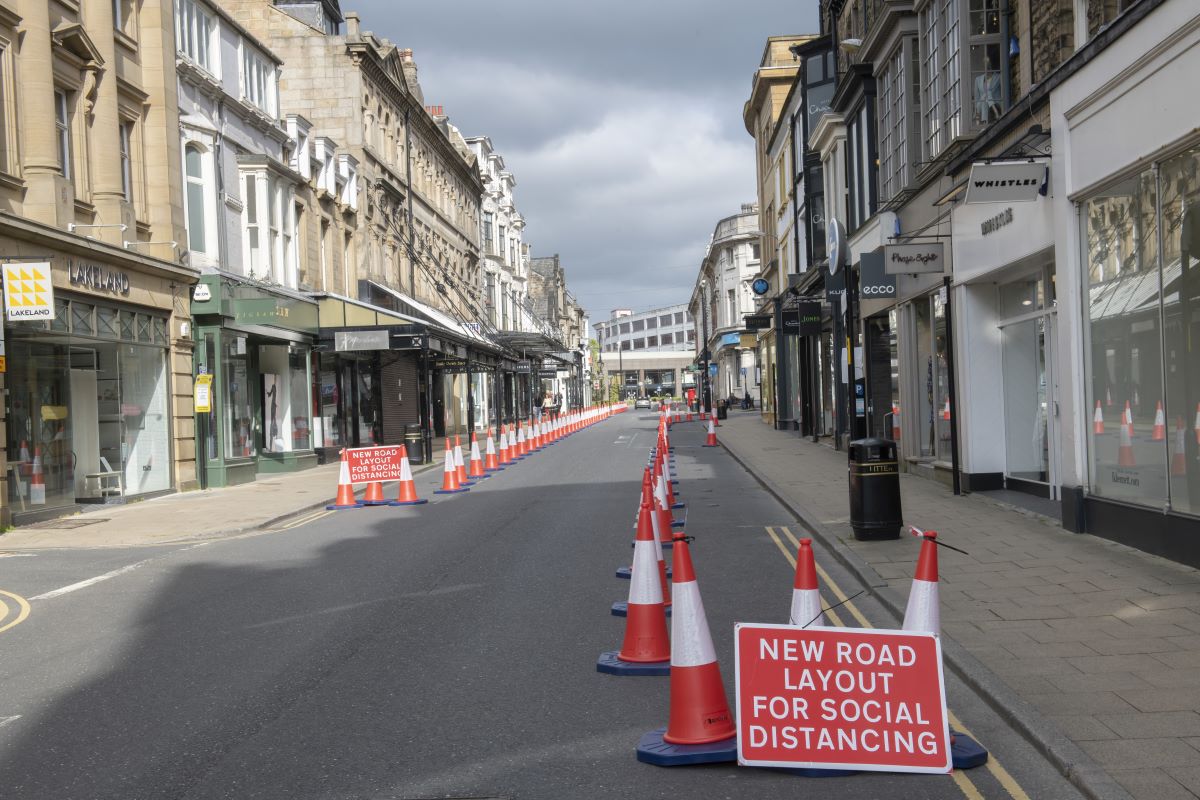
(886, 291)
(874, 280)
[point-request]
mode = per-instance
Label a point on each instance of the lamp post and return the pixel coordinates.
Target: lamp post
(705, 391)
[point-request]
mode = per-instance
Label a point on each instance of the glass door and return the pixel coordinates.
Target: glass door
(1026, 400)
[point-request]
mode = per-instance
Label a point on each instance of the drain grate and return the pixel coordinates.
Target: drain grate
(65, 524)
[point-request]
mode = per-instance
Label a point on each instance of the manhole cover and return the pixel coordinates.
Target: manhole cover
(64, 524)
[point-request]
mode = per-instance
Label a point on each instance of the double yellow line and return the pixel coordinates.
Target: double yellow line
(21, 610)
(964, 783)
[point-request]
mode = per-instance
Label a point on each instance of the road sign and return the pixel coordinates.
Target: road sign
(840, 698)
(369, 464)
(202, 394)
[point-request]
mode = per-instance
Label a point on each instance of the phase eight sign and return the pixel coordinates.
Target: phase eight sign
(840, 698)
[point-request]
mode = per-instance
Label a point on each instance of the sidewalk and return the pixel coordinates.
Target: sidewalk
(190, 516)
(1089, 648)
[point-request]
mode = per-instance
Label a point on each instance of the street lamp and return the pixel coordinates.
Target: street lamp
(705, 391)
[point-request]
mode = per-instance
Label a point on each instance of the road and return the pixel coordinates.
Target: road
(445, 650)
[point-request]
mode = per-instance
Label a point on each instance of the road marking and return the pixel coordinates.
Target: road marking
(1002, 775)
(17, 555)
(296, 523)
(792, 560)
(74, 587)
(22, 613)
(6, 720)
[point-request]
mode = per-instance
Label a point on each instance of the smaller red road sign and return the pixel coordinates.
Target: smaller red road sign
(369, 464)
(840, 698)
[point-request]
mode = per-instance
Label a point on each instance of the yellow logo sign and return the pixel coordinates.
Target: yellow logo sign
(28, 291)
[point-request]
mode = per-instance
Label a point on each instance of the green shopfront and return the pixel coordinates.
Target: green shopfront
(257, 343)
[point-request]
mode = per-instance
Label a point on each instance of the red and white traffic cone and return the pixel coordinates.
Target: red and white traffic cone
(450, 482)
(37, 483)
(646, 649)
(1098, 420)
(806, 596)
(476, 472)
(1125, 456)
(1127, 418)
(1159, 433)
(946, 410)
(491, 460)
(345, 490)
(374, 495)
(711, 440)
(657, 532)
(923, 612)
(1196, 427)
(408, 489)
(700, 726)
(514, 452)
(460, 464)
(521, 447)
(1179, 457)
(714, 419)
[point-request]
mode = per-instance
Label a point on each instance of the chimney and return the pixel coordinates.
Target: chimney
(352, 29)
(435, 111)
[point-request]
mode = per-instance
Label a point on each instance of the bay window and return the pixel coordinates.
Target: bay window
(195, 34)
(941, 100)
(269, 226)
(258, 81)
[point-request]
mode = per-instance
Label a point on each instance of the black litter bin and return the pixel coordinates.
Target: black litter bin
(414, 444)
(874, 489)
(722, 410)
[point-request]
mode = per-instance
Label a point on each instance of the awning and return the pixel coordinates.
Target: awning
(530, 342)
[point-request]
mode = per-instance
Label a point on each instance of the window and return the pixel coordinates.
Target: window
(624, 327)
(861, 154)
(893, 122)
(679, 317)
(258, 80)
(62, 131)
(125, 132)
(196, 198)
(195, 30)
(664, 320)
(987, 92)
(5, 114)
(638, 325)
(667, 338)
(488, 244)
(269, 224)
(651, 341)
(253, 226)
(651, 322)
(123, 16)
(732, 300)
(940, 86)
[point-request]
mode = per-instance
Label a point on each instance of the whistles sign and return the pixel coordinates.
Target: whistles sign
(840, 698)
(368, 464)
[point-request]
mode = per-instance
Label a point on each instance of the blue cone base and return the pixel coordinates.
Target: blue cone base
(651, 749)
(965, 752)
(625, 573)
(495, 469)
(450, 491)
(609, 664)
(813, 772)
(407, 502)
(336, 507)
(677, 523)
(679, 505)
(621, 609)
(376, 502)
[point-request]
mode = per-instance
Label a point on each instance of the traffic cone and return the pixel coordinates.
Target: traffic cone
(714, 419)
(450, 482)
(345, 491)
(1128, 417)
(408, 489)
(895, 422)
(1125, 452)
(922, 612)
(460, 464)
(374, 495)
(1098, 420)
(647, 519)
(476, 473)
(711, 441)
(946, 409)
(508, 444)
(1197, 425)
(806, 597)
(491, 461)
(1159, 433)
(700, 726)
(25, 466)
(520, 448)
(646, 649)
(1179, 457)
(37, 484)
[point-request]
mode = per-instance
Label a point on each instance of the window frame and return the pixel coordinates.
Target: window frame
(64, 140)
(126, 134)
(258, 79)
(205, 182)
(196, 36)
(941, 42)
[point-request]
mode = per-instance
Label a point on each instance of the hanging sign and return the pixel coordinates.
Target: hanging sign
(1007, 182)
(760, 286)
(840, 698)
(28, 291)
(874, 282)
(809, 315)
(835, 245)
(758, 322)
(908, 259)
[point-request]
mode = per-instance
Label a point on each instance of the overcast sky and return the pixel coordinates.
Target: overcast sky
(621, 122)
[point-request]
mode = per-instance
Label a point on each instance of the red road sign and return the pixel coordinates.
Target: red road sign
(840, 698)
(369, 464)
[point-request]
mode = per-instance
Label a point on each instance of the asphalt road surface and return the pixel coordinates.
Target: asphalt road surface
(439, 651)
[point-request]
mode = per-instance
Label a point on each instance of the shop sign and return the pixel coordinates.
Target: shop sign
(758, 322)
(731, 339)
(202, 293)
(835, 286)
(522, 368)
(345, 341)
(97, 278)
(789, 323)
(28, 291)
(988, 237)
(808, 317)
(748, 340)
(1007, 182)
(910, 259)
(874, 281)
(760, 286)
(993, 224)
(452, 365)
(840, 698)
(547, 373)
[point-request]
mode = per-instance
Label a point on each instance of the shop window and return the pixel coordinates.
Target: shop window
(240, 437)
(285, 397)
(81, 318)
(106, 322)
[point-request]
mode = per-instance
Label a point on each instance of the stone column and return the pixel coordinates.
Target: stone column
(104, 137)
(39, 155)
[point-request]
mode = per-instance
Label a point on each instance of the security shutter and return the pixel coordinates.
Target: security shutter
(401, 395)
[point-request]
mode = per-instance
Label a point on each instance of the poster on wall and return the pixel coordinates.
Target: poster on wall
(272, 438)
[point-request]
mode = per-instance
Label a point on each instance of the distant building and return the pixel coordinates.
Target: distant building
(648, 352)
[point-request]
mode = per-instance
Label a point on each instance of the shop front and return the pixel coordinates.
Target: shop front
(257, 343)
(88, 349)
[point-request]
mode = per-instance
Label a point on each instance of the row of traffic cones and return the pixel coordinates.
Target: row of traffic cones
(459, 474)
(1125, 454)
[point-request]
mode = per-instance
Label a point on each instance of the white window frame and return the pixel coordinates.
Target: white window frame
(125, 138)
(893, 120)
(206, 182)
(269, 227)
(258, 80)
(64, 142)
(940, 26)
(196, 35)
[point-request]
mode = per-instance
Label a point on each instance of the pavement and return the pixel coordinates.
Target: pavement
(1091, 649)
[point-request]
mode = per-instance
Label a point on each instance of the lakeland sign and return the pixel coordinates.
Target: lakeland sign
(97, 278)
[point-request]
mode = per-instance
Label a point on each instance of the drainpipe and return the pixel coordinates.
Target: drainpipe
(218, 158)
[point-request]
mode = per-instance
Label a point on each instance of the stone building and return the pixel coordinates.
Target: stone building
(97, 373)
